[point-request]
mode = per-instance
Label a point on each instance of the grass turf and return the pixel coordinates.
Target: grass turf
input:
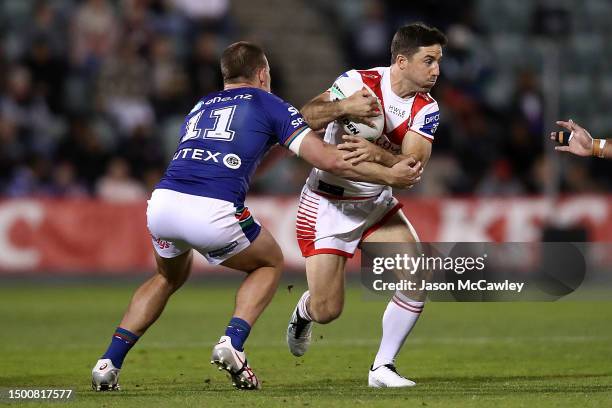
(460, 354)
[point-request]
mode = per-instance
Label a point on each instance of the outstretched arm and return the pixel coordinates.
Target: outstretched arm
(580, 142)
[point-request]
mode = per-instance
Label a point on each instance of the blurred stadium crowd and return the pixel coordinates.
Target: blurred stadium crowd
(93, 92)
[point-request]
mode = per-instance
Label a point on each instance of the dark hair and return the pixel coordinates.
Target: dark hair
(409, 38)
(241, 60)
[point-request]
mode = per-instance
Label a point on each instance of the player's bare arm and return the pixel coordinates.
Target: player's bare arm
(324, 156)
(417, 146)
(358, 149)
(580, 142)
(320, 111)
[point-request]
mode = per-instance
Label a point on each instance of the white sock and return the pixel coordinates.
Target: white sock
(398, 320)
(303, 307)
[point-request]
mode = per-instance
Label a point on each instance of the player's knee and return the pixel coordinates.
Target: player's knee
(276, 258)
(173, 272)
(325, 311)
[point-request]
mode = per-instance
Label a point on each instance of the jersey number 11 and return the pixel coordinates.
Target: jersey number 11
(220, 130)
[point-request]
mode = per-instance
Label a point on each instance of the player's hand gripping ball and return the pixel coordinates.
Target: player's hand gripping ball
(343, 88)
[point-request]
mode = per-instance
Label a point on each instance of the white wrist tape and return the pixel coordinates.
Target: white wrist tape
(602, 145)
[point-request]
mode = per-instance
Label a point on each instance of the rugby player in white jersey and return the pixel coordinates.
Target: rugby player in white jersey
(199, 204)
(336, 214)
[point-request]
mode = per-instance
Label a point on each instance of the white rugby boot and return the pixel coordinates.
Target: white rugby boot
(227, 358)
(104, 376)
(386, 376)
(299, 334)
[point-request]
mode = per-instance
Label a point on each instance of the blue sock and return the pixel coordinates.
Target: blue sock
(123, 340)
(238, 330)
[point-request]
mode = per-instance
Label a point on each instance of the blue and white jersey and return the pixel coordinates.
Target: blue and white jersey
(224, 138)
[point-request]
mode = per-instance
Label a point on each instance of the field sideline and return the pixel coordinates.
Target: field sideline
(460, 354)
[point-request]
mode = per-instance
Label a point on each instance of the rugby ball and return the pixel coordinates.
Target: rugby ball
(345, 87)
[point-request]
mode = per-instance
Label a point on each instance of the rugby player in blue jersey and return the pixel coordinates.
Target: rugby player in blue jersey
(199, 204)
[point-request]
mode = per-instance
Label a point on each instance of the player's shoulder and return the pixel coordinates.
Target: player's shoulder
(424, 101)
(366, 75)
(227, 96)
(425, 115)
(267, 98)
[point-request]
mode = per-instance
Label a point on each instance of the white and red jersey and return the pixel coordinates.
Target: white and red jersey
(419, 114)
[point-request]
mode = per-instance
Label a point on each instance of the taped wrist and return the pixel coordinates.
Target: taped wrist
(598, 147)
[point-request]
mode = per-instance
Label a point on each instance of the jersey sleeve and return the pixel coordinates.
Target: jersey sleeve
(288, 125)
(426, 121)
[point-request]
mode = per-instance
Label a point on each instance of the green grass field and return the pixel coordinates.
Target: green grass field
(470, 354)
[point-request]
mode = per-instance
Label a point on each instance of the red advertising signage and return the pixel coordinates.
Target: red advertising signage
(94, 237)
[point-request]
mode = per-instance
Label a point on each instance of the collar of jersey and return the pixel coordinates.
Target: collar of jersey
(386, 84)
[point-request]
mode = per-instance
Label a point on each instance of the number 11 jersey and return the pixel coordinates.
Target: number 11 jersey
(224, 138)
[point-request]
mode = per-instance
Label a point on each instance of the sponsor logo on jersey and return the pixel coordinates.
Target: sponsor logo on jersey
(297, 122)
(384, 143)
(397, 111)
(232, 161)
(218, 99)
(431, 123)
(197, 154)
(217, 253)
(161, 243)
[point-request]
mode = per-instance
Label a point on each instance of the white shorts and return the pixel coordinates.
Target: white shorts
(215, 228)
(336, 225)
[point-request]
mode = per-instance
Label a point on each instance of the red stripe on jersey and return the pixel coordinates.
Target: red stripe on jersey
(304, 204)
(420, 101)
(309, 201)
(317, 199)
(373, 80)
(308, 229)
(311, 210)
(306, 213)
(305, 219)
(396, 136)
(307, 210)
